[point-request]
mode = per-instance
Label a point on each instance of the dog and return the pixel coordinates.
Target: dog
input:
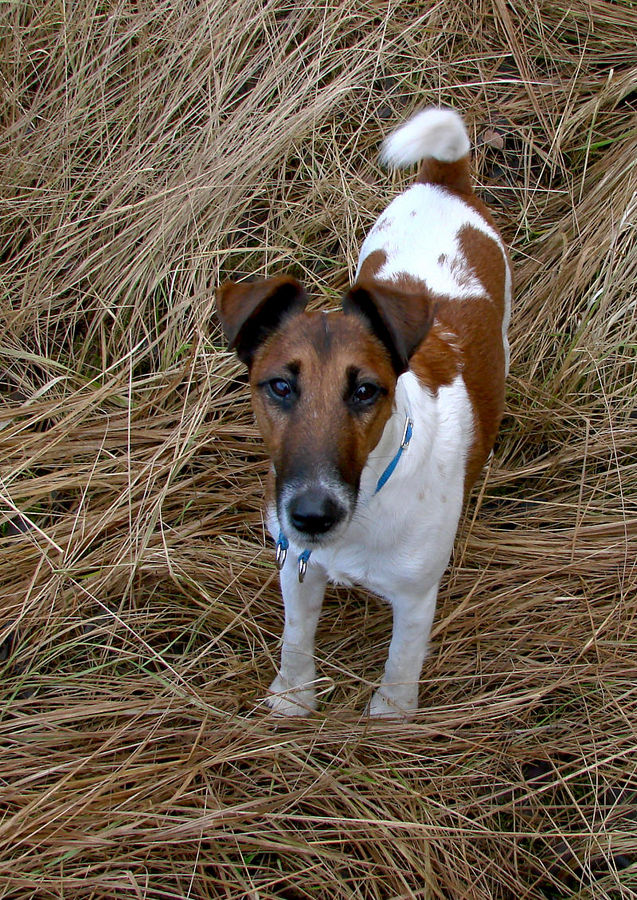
(379, 417)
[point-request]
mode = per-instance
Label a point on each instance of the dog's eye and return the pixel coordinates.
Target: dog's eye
(365, 394)
(280, 388)
(281, 391)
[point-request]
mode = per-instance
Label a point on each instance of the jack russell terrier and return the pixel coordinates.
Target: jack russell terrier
(378, 418)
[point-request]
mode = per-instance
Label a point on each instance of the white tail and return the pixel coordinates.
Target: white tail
(437, 133)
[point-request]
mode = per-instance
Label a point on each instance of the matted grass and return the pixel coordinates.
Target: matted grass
(150, 150)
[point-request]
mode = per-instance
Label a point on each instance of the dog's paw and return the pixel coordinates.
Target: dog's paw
(390, 702)
(284, 699)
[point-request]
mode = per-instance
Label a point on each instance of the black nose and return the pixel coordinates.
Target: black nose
(314, 511)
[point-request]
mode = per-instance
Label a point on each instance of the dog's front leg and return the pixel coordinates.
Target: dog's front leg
(293, 692)
(398, 691)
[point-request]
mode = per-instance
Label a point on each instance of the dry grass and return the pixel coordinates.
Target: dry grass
(150, 149)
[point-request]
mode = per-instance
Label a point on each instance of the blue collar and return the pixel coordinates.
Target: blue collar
(283, 544)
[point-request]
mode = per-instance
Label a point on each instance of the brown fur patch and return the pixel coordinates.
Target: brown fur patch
(486, 263)
(438, 359)
(372, 264)
(453, 175)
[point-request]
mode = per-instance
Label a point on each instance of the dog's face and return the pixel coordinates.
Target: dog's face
(322, 390)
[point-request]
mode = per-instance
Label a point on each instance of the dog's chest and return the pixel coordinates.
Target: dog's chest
(396, 540)
(403, 533)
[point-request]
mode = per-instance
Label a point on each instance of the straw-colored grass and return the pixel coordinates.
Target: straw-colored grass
(149, 150)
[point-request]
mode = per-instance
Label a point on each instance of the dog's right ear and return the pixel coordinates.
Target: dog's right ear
(251, 310)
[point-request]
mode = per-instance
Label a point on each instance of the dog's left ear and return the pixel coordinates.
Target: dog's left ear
(400, 320)
(250, 311)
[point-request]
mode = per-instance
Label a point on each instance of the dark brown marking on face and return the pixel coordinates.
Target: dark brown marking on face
(322, 433)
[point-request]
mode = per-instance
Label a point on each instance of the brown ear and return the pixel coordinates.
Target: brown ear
(399, 319)
(252, 310)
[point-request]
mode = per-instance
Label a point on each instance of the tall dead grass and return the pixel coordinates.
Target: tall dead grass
(150, 149)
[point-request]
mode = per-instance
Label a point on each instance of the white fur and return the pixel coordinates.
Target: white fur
(439, 133)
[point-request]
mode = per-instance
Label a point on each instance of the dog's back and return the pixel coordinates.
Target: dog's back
(440, 235)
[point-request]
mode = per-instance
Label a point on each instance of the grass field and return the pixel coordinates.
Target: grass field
(150, 150)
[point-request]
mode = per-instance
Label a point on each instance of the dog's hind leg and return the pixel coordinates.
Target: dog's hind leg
(293, 692)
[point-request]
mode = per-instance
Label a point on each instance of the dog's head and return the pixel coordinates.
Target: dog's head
(322, 388)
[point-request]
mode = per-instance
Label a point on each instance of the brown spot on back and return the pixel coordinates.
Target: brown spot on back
(371, 265)
(486, 262)
(477, 322)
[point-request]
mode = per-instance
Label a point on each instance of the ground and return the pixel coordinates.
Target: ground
(149, 151)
